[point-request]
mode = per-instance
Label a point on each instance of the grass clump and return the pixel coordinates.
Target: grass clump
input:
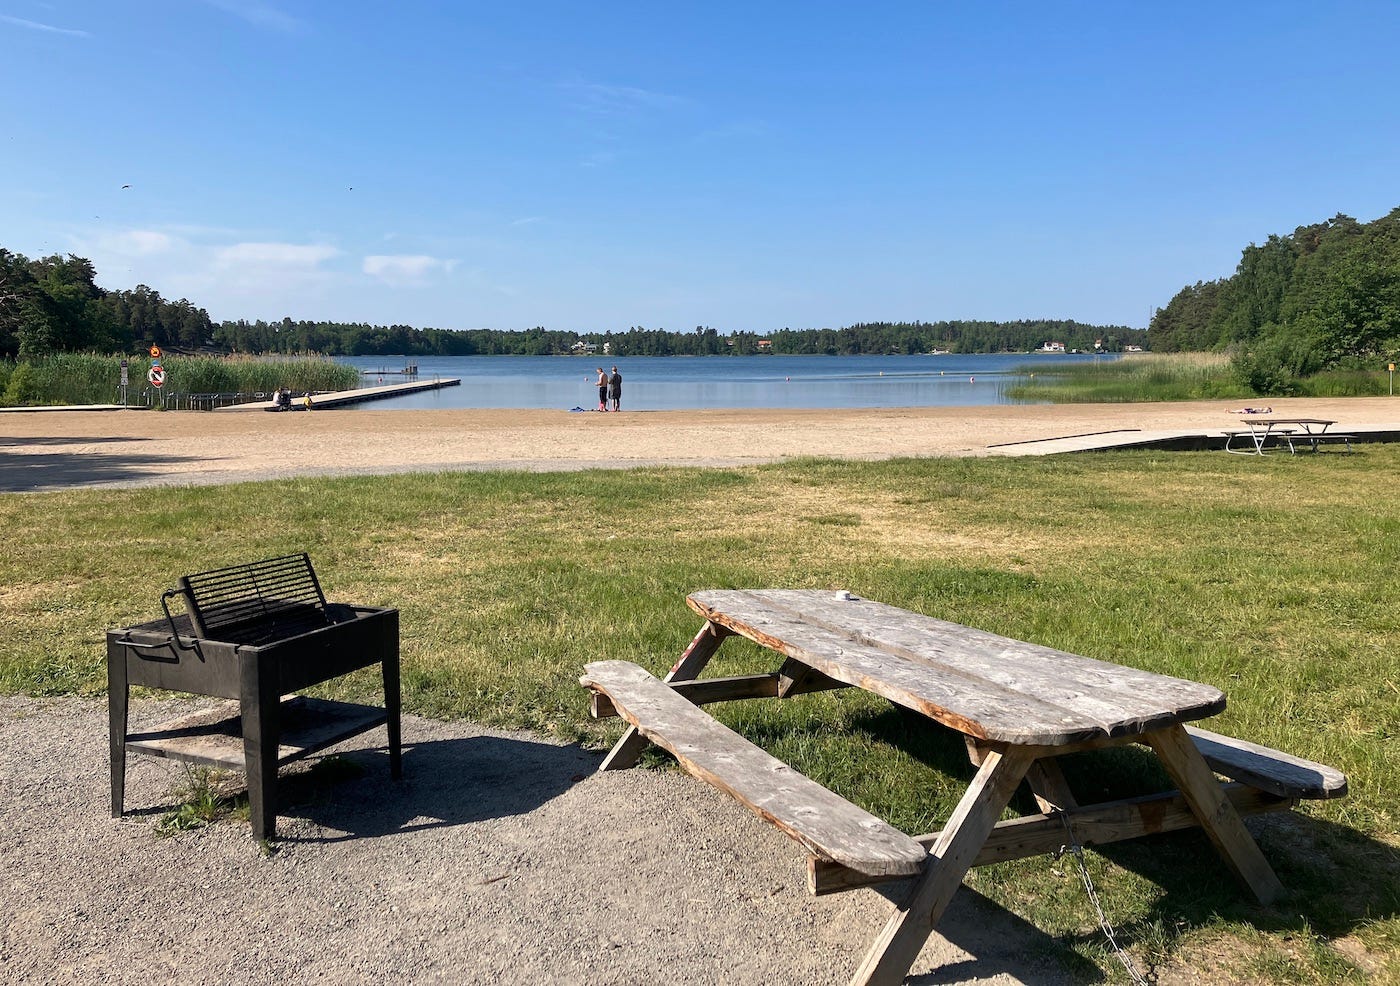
(205, 796)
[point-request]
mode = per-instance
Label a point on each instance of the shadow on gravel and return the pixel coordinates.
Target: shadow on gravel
(445, 782)
(1002, 943)
(22, 472)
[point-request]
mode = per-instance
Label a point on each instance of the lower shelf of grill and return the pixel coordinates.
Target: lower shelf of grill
(214, 736)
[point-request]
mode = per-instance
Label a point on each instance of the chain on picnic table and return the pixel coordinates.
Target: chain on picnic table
(1077, 851)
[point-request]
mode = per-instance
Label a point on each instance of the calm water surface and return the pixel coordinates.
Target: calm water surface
(651, 383)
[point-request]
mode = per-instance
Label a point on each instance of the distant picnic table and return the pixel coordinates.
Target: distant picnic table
(1264, 430)
(1018, 706)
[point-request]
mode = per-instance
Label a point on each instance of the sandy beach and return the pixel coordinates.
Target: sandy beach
(44, 450)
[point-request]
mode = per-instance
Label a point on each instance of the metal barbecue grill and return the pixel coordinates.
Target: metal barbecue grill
(255, 634)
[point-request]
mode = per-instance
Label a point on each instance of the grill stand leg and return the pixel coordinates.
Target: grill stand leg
(116, 723)
(260, 704)
(393, 702)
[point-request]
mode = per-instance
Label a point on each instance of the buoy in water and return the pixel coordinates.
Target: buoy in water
(971, 379)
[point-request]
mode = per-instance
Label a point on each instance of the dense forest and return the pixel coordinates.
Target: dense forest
(54, 305)
(1327, 295)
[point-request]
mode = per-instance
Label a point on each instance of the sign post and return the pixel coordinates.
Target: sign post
(156, 374)
(122, 389)
(1392, 379)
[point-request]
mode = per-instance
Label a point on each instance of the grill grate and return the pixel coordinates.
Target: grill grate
(256, 603)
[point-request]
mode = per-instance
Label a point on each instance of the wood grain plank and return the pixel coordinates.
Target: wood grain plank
(688, 666)
(1271, 770)
(820, 820)
(980, 683)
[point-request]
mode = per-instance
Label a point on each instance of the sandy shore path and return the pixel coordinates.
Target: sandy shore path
(50, 450)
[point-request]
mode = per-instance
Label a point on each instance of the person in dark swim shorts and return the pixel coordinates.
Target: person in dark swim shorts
(602, 389)
(615, 390)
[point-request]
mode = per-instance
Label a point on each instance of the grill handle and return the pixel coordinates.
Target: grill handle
(174, 633)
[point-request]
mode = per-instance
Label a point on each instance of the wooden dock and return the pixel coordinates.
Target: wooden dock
(344, 398)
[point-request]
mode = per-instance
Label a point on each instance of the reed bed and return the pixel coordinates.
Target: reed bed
(1134, 378)
(87, 378)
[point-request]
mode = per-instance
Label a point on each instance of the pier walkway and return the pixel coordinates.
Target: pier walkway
(344, 398)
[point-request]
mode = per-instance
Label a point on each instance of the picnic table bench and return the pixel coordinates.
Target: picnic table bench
(1017, 705)
(254, 634)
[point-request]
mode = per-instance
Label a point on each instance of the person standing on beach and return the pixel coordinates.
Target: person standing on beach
(615, 389)
(602, 389)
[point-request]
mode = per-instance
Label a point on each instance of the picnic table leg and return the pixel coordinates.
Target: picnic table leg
(889, 958)
(626, 751)
(1214, 811)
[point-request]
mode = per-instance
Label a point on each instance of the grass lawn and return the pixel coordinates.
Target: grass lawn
(1274, 579)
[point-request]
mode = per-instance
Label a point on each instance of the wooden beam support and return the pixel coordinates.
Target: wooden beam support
(1217, 816)
(795, 678)
(1094, 825)
(702, 647)
(705, 691)
(1048, 784)
(894, 951)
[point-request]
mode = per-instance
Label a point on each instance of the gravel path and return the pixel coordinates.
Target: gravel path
(500, 858)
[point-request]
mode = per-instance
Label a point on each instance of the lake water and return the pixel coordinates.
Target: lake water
(657, 383)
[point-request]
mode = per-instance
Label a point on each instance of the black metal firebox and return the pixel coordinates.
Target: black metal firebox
(255, 634)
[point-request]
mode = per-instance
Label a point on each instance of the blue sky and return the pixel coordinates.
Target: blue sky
(743, 166)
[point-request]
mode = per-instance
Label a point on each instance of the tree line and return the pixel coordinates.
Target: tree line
(54, 305)
(1325, 296)
(362, 339)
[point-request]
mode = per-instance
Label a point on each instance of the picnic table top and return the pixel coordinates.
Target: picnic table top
(981, 684)
(1269, 419)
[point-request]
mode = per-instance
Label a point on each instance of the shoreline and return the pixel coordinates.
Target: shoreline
(129, 448)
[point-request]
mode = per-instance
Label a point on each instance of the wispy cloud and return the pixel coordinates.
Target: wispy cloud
(610, 100)
(142, 242)
(292, 256)
(260, 14)
(528, 221)
(270, 268)
(36, 26)
(406, 270)
(599, 158)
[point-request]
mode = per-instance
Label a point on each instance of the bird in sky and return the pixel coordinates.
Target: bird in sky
(126, 186)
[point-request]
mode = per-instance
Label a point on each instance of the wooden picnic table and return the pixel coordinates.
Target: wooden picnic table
(1018, 707)
(1293, 432)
